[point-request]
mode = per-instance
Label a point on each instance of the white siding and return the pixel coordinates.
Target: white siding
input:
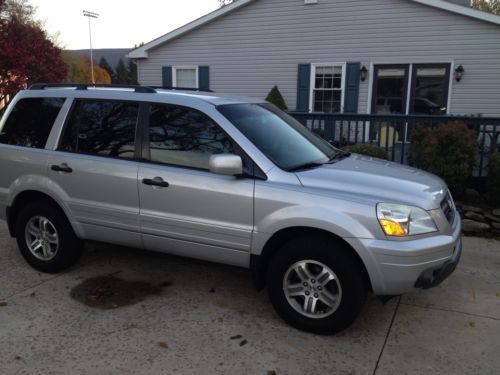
(260, 45)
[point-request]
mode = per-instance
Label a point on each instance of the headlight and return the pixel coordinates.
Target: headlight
(399, 220)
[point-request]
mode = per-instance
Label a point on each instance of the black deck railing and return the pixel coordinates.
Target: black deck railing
(393, 132)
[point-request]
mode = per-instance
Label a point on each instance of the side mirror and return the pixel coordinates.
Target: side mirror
(226, 164)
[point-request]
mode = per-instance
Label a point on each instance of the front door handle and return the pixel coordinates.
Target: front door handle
(61, 168)
(157, 181)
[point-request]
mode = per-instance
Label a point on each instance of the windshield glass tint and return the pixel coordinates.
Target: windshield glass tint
(279, 136)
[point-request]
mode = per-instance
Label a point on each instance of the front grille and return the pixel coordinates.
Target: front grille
(448, 208)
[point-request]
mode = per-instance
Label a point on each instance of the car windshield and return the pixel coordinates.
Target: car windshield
(289, 144)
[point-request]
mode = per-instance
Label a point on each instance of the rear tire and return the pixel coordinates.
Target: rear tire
(315, 285)
(45, 237)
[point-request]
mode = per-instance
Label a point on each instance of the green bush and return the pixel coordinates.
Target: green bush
(494, 178)
(447, 150)
(368, 150)
(276, 98)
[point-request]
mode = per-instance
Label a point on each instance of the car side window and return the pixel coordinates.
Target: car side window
(30, 122)
(184, 137)
(101, 127)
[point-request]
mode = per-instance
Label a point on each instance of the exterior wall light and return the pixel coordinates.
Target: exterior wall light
(363, 73)
(459, 73)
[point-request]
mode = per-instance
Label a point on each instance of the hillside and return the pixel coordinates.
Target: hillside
(112, 55)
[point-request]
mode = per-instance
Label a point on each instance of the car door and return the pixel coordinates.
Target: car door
(184, 208)
(95, 170)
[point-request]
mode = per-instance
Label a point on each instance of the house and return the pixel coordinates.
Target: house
(350, 56)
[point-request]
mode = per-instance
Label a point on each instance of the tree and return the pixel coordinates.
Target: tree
(491, 6)
(79, 70)
(21, 10)
(276, 98)
(103, 63)
(27, 55)
(223, 3)
(121, 76)
(132, 73)
(100, 75)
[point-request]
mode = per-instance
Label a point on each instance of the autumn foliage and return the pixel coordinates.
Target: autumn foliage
(491, 6)
(79, 70)
(27, 55)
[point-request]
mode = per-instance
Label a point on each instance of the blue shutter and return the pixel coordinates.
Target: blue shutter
(303, 87)
(166, 73)
(204, 78)
(352, 88)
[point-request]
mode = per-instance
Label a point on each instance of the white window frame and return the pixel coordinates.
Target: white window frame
(312, 83)
(174, 74)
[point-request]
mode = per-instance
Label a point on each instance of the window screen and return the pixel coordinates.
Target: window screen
(184, 137)
(30, 122)
(101, 127)
(185, 78)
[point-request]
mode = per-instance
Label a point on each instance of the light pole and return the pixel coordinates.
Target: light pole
(90, 15)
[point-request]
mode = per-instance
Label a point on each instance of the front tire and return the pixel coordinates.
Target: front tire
(45, 237)
(315, 285)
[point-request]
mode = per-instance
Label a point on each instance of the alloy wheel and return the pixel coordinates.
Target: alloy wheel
(312, 289)
(41, 238)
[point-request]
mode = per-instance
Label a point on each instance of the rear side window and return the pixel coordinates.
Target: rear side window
(30, 122)
(101, 127)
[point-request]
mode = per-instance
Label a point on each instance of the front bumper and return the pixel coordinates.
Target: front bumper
(399, 267)
(434, 276)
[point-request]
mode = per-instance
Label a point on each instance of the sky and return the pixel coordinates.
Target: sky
(121, 23)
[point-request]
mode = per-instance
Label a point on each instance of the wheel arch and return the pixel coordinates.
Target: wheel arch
(259, 263)
(21, 200)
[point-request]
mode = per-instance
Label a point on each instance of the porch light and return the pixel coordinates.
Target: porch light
(459, 73)
(363, 73)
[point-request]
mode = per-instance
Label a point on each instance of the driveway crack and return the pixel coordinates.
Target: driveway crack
(450, 310)
(387, 336)
(6, 298)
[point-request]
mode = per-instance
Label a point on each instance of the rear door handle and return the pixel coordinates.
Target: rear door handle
(157, 181)
(61, 168)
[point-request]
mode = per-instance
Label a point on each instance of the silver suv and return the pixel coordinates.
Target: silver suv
(225, 179)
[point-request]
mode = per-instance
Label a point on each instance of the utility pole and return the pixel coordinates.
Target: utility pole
(90, 15)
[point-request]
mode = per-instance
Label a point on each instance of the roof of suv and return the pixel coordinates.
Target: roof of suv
(210, 97)
(140, 93)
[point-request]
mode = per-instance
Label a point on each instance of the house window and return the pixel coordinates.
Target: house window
(390, 89)
(186, 77)
(427, 93)
(327, 88)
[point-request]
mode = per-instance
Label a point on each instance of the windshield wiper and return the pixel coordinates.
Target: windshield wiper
(339, 156)
(304, 166)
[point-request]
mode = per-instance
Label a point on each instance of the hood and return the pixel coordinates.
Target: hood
(377, 179)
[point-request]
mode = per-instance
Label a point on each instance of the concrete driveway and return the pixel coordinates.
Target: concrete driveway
(202, 318)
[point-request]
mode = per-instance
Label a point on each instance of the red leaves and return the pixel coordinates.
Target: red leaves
(26, 55)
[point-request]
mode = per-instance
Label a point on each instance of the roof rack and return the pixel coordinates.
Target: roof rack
(180, 88)
(85, 86)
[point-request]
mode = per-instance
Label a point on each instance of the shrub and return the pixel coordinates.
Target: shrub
(494, 178)
(276, 98)
(368, 150)
(447, 150)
